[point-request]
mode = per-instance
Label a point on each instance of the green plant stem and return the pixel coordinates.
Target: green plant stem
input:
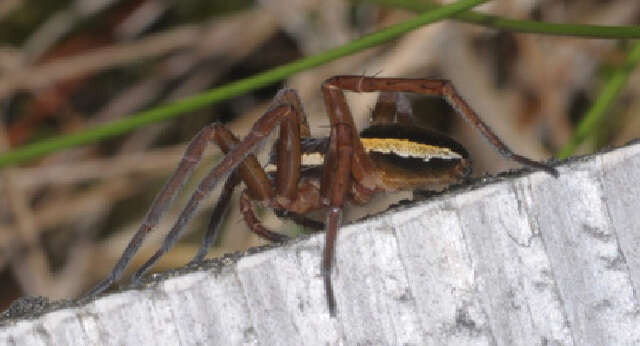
(523, 26)
(178, 108)
(596, 113)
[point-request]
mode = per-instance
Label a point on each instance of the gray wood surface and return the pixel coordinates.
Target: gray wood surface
(525, 259)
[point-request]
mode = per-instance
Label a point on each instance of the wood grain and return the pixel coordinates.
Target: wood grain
(524, 259)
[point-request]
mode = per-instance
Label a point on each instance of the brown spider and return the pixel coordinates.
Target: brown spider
(391, 154)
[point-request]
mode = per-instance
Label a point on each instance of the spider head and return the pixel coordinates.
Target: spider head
(411, 157)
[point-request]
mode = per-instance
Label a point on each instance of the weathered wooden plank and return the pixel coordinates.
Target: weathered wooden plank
(525, 259)
(511, 267)
(590, 270)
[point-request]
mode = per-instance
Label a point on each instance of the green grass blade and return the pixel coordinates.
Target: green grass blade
(523, 26)
(589, 123)
(613, 86)
(178, 108)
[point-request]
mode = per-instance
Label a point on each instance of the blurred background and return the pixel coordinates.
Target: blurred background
(70, 64)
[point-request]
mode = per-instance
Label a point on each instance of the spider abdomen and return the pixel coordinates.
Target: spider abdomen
(413, 157)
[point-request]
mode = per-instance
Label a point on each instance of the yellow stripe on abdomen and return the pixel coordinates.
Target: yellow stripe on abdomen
(407, 148)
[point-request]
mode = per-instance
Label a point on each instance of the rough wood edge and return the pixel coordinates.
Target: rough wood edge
(522, 258)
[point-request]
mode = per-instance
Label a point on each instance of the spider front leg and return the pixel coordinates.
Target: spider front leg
(441, 88)
(259, 188)
(293, 125)
(236, 156)
(190, 159)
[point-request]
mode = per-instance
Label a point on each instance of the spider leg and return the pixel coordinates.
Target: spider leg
(191, 157)
(260, 130)
(287, 157)
(362, 168)
(441, 88)
(288, 160)
(255, 225)
(253, 175)
(307, 199)
(392, 108)
(289, 149)
(341, 160)
(217, 216)
(293, 124)
(250, 171)
(338, 185)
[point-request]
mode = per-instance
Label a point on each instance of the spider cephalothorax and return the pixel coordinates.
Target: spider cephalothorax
(391, 154)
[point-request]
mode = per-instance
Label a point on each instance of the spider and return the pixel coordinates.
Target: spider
(391, 154)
